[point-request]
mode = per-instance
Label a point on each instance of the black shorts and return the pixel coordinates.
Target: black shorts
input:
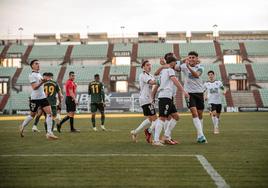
(196, 100)
(96, 106)
(215, 107)
(166, 107)
(148, 110)
(70, 104)
(34, 104)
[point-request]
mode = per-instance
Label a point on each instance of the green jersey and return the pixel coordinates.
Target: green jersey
(51, 88)
(96, 90)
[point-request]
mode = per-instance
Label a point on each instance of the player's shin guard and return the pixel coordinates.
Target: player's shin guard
(27, 121)
(158, 128)
(49, 124)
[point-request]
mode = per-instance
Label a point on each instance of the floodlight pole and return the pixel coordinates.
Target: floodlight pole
(20, 30)
(122, 28)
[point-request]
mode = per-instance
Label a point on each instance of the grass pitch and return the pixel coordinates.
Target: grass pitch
(238, 154)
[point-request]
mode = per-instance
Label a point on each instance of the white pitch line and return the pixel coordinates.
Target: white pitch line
(216, 177)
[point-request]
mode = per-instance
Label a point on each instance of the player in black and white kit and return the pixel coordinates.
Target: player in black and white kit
(213, 90)
(146, 80)
(167, 81)
(193, 84)
(38, 98)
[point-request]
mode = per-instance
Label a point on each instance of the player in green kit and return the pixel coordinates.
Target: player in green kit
(96, 91)
(52, 89)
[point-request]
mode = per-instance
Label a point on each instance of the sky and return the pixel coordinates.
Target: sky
(82, 16)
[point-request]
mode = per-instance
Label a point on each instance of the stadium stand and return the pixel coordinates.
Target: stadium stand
(257, 48)
(260, 71)
(90, 51)
(84, 74)
(1, 49)
(119, 69)
(203, 49)
(146, 50)
(229, 45)
(18, 101)
(264, 96)
(243, 99)
(17, 49)
(122, 47)
(48, 52)
(235, 68)
(7, 71)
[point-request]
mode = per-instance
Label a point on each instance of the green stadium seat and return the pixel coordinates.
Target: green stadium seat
(257, 48)
(123, 47)
(90, 51)
(203, 49)
(235, 68)
(48, 52)
(264, 96)
(260, 71)
(229, 45)
(154, 50)
(120, 69)
(17, 49)
(18, 101)
(7, 71)
(84, 74)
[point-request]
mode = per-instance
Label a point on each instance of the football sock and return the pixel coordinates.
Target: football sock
(142, 125)
(36, 120)
(49, 123)
(171, 125)
(102, 119)
(198, 126)
(151, 128)
(202, 123)
(64, 119)
(27, 121)
(72, 123)
(53, 124)
(216, 122)
(158, 128)
(93, 120)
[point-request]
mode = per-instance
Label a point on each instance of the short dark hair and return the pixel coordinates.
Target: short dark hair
(171, 59)
(193, 53)
(167, 55)
(45, 74)
(96, 75)
(71, 72)
(144, 62)
(32, 62)
(50, 74)
(211, 71)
